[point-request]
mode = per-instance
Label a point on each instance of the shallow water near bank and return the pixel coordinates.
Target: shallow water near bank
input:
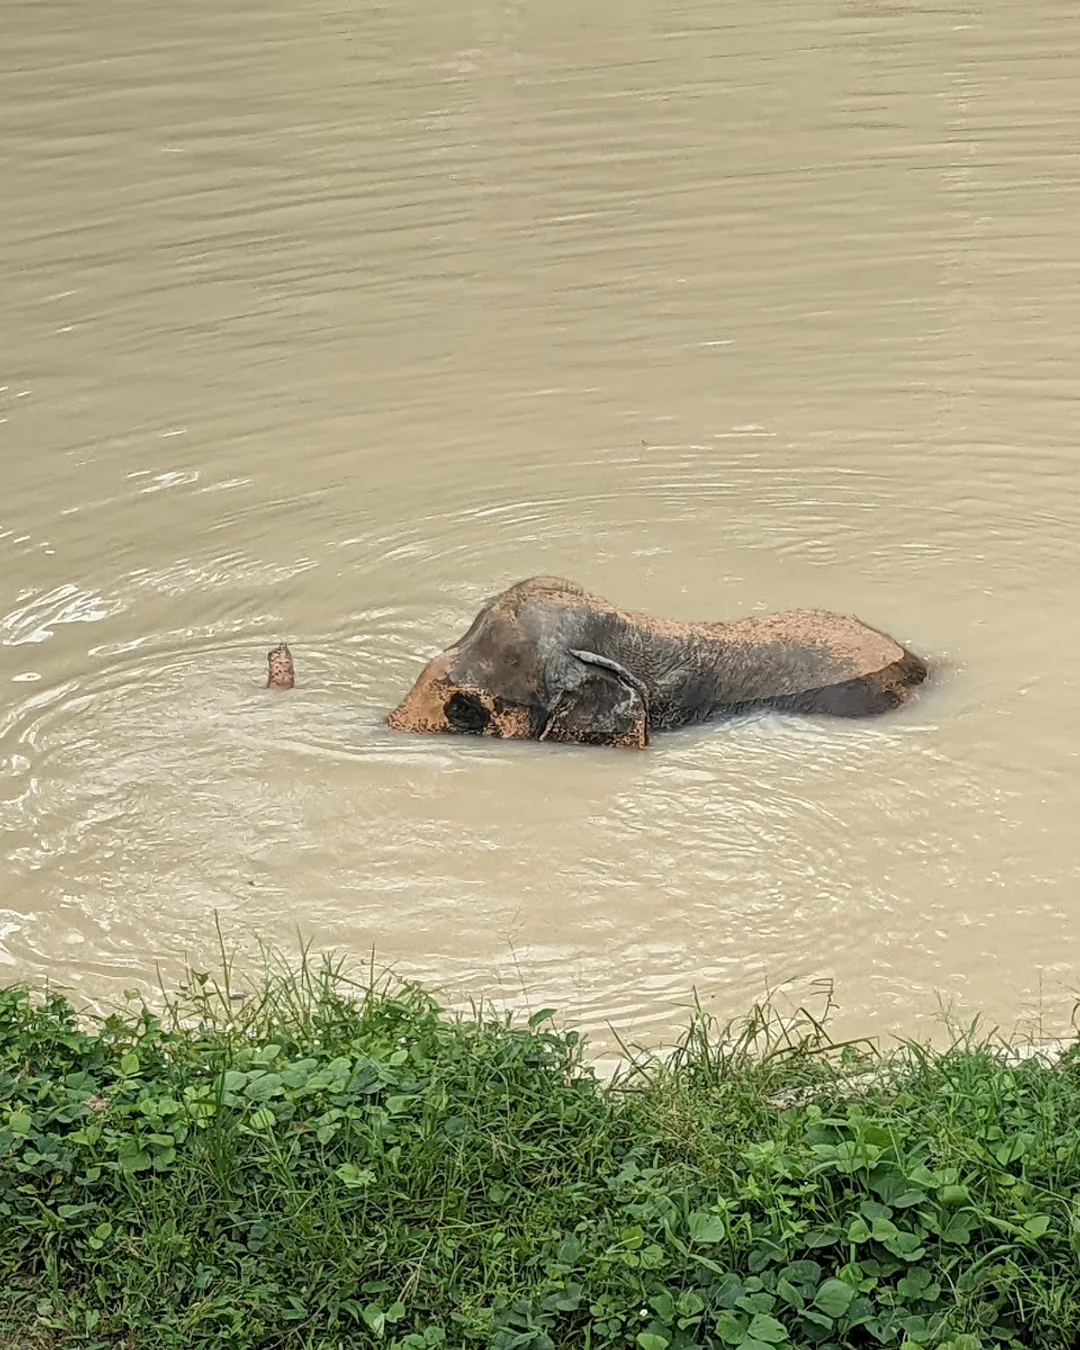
(328, 325)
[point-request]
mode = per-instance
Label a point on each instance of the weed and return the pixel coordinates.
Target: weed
(322, 1165)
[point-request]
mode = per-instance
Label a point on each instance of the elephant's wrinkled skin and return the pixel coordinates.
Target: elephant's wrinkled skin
(547, 661)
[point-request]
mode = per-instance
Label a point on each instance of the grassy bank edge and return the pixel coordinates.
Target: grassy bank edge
(327, 1164)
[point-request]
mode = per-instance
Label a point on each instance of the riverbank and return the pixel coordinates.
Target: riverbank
(324, 1166)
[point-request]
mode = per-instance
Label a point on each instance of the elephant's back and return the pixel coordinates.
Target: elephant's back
(818, 661)
(853, 647)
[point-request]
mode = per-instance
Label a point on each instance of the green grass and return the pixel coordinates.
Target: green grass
(324, 1165)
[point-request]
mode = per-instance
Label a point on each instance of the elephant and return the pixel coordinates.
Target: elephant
(545, 660)
(280, 671)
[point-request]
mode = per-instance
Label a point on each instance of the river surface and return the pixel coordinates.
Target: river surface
(325, 322)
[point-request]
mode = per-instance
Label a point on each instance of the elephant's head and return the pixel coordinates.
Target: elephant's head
(521, 672)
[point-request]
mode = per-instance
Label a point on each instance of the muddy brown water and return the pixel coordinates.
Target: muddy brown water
(325, 322)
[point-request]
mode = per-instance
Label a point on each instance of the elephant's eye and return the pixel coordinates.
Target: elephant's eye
(465, 712)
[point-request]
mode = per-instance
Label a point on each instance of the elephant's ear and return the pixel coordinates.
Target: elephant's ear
(598, 703)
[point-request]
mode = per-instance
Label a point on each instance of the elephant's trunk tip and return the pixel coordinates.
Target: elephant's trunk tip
(281, 673)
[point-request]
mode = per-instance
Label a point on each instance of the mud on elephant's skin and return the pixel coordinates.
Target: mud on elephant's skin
(280, 672)
(547, 661)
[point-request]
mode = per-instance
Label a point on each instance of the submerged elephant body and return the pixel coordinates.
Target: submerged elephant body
(547, 661)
